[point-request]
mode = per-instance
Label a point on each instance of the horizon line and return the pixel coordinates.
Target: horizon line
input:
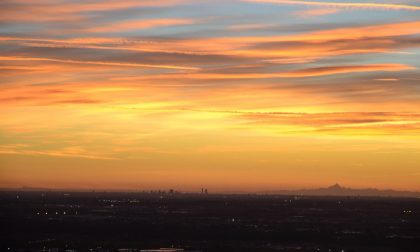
(198, 191)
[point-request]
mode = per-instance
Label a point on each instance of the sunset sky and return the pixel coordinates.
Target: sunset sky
(232, 95)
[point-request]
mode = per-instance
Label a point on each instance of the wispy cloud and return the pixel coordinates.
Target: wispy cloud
(116, 64)
(48, 11)
(68, 152)
(316, 12)
(139, 25)
(384, 6)
(309, 72)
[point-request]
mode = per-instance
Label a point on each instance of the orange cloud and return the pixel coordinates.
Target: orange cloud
(316, 12)
(114, 5)
(344, 124)
(48, 11)
(116, 64)
(309, 72)
(74, 151)
(319, 71)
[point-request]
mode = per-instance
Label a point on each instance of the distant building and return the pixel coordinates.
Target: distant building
(168, 250)
(204, 191)
(162, 250)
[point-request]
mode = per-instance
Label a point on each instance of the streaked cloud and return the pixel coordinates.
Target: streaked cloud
(117, 64)
(309, 72)
(360, 5)
(316, 12)
(69, 152)
(76, 14)
(139, 25)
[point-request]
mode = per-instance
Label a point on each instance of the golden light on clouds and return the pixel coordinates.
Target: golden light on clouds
(157, 94)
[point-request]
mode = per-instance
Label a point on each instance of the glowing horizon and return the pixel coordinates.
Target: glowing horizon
(240, 95)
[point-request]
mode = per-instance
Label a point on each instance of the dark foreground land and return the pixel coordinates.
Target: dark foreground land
(57, 221)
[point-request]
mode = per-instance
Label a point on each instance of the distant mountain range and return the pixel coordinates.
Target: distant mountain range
(334, 190)
(337, 190)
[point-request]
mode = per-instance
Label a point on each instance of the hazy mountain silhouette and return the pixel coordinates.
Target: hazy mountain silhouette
(337, 190)
(333, 190)
(25, 188)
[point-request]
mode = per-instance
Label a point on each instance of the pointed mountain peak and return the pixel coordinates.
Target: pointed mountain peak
(335, 186)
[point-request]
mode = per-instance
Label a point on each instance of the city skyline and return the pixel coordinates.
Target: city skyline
(239, 95)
